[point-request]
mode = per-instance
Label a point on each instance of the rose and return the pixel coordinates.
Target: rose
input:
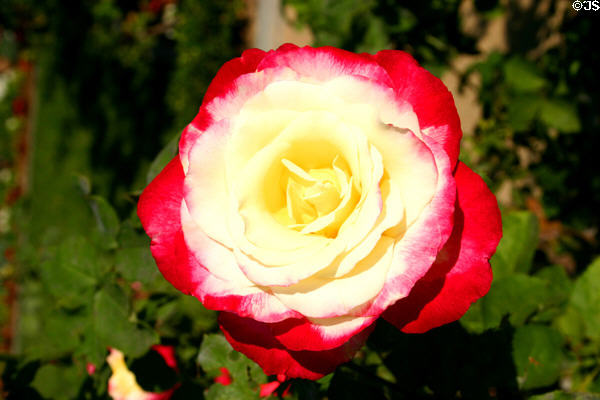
(315, 191)
(123, 385)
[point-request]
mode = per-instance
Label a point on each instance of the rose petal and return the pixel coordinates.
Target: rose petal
(227, 104)
(318, 334)
(220, 86)
(205, 188)
(256, 340)
(230, 71)
(159, 209)
(416, 251)
(324, 63)
(429, 97)
(212, 255)
(265, 240)
(326, 297)
(461, 273)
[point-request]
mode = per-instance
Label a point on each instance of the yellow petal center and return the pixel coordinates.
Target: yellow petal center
(317, 200)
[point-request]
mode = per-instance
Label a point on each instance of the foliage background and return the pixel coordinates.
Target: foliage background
(92, 91)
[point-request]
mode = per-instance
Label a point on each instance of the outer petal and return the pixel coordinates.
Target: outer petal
(227, 103)
(322, 298)
(461, 273)
(325, 63)
(256, 340)
(159, 210)
(205, 187)
(222, 84)
(231, 70)
(431, 100)
(417, 249)
(318, 334)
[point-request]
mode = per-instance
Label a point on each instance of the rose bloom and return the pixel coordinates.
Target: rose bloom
(315, 191)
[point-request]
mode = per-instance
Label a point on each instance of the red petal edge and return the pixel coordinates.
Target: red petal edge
(431, 100)
(324, 63)
(461, 273)
(159, 211)
(222, 83)
(256, 340)
(232, 69)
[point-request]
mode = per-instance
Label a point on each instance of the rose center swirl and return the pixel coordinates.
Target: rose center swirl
(317, 200)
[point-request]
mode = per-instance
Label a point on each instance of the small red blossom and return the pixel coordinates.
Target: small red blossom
(266, 389)
(123, 385)
(225, 377)
(168, 354)
(90, 368)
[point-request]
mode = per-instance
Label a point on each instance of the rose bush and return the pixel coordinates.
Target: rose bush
(315, 191)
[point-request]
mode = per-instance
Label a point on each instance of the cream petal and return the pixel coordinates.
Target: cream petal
(322, 298)
(272, 254)
(262, 173)
(216, 258)
(383, 119)
(392, 214)
(205, 189)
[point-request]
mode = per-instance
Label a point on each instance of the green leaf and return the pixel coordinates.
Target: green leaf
(107, 221)
(537, 355)
(136, 264)
(585, 299)
(523, 76)
(113, 326)
(559, 288)
(58, 382)
(185, 311)
(233, 391)
(92, 348)
(326, 380)
(522, 110)
(130, 234)
(489, 68)
(517, 295)
(162, 159)
(376, 37)
(517, 247)
(215, 353)
(571, 324)
(559, 283)
(72, 273)
(61, 336)
(560, 115)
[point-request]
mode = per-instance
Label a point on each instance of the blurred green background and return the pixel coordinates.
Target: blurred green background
(93, 96)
